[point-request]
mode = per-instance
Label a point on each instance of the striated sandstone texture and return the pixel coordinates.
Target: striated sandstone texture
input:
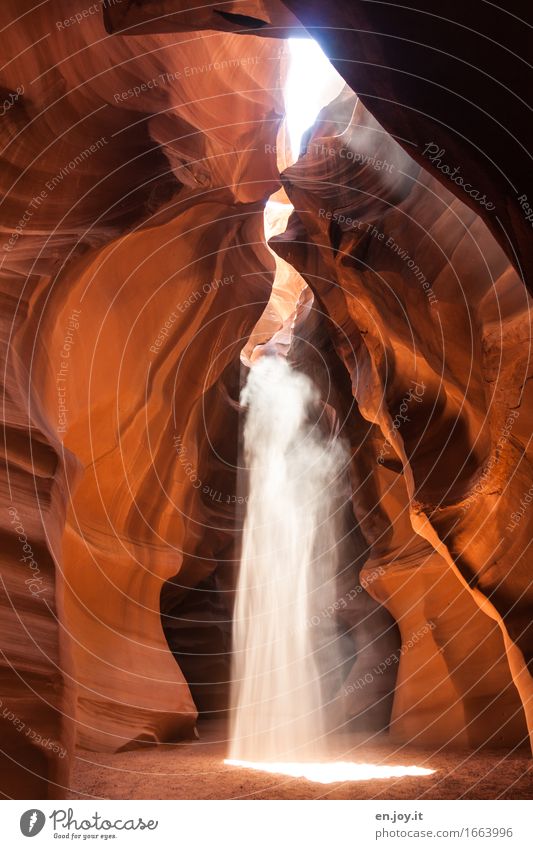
(138, 155)
(432, 324)
(134, 269)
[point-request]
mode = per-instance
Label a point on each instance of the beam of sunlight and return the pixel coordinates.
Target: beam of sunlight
(331, 771)
(312, 82)
(288, 568)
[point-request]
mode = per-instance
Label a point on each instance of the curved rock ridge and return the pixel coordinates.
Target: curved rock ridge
(266, 18)
(433, 326)
(134, 265)
(290, 299)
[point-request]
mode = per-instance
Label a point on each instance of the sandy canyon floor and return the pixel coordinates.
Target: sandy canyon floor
(196, 770)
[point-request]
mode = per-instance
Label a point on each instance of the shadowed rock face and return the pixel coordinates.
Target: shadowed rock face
(452, 85)
(134, 176)
(417, 293)
(266, 18)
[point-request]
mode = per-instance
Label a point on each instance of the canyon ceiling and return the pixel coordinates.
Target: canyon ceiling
(141, 143)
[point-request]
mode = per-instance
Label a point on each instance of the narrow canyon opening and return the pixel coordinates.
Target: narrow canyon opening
(355, 692)
(200, 623)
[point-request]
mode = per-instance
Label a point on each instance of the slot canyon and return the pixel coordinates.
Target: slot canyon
(173, 219)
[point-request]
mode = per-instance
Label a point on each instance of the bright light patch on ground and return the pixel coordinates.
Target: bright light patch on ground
(312, 82)
(329, 772)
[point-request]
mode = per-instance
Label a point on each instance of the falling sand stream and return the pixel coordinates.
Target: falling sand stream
(286, 656)
(283, 651)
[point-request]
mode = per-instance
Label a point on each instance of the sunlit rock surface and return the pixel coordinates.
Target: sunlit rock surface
(432, 324)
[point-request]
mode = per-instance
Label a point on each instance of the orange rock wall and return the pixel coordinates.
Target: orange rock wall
(432, 324)
(136, 172)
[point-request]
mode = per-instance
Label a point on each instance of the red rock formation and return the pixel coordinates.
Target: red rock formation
(137, 180)
(266, 18)
(453, 86)
(419, 298)
(135, 171)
